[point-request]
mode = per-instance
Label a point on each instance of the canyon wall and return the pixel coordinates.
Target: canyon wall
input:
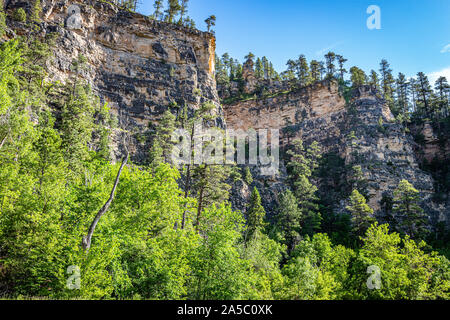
(139, 66)
(381, 146)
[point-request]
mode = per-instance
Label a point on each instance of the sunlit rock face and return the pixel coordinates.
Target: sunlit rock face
(139, 66)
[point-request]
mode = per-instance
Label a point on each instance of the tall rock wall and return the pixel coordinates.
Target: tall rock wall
(141, 67)
(381, 146)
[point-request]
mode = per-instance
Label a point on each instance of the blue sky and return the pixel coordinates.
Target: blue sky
(414, 35)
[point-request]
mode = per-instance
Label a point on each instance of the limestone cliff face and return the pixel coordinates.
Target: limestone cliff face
(381, 146)
(141, 67)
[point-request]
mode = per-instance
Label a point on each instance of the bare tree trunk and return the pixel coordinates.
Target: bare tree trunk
(87, 239)
(3, 141)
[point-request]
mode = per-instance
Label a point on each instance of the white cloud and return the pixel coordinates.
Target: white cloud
(435, 75)
(446, 49)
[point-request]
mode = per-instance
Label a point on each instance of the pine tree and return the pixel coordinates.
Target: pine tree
(330, 59)
(443, 90)
(424, 93)
(387, 81)
(255, 215)
(265, 65)
(248, 178)
(250, 56)
(358, 77)
(342, 71)
(303, 75)
(408, 214)
(291, 72)
(210, 22)
(158, 5)
(2, 19)
(315, 71)
(402, 94)
(289, 219)
(302, 164)
(36, 12)
(259, 69)
(162, 143)
(172, 11)
(183, 11)
(412, 91)
(374, 80)
(362, 214)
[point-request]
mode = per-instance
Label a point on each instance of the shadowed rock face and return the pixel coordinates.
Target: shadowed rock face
(139, 66)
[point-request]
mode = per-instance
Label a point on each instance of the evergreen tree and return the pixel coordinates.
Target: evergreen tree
(255, 215)
(408, 214)
(358, 77)
(342, 71)
(402, 95)
(183, 12)
(210, 22)
(302, 164)
(424, 94)
(248, 178)
(443, 91)
(374, 80)
(315, 70)
(362, 214)
(330, 59)
(387, 81)
(289, 220)
(162, 144)
(303, 74)
(259, 69)
(158, 5)
(2, 19)
(172, 11)
(36, 12)
(412, 91)
(265, 65)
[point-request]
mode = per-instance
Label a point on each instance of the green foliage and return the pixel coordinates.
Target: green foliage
(407, 212)
(162, 144)
(2, 20)
(255, 215)
(248, 178)
(289, 220)
(406, 271)
(20, 15)
(36, 12)
(302, 164)
(362, 214)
